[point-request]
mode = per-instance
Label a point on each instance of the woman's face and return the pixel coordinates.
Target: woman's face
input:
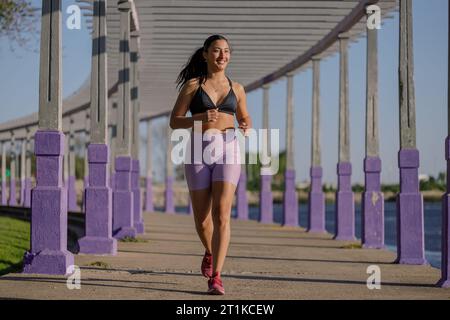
(218, 55)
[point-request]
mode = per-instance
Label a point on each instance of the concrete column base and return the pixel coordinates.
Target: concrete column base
(12, 193)
(149, 195)
(410, 227)
(444, 282)
(72, 195)
(27, 193)
(137, 208)
(316, 203)
(98, 202)
(169, 205)
(372, 231)
(3, 199)
(123, 215)
(290, 200)
(345, 204)
(266, 200)
(49, 253)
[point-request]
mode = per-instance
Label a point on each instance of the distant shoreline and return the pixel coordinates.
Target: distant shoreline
(181, 196)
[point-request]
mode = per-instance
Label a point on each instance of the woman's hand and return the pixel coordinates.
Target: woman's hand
(211, 115)
(245, 127)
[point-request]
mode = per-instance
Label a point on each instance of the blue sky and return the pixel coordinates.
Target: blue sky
(19, 87)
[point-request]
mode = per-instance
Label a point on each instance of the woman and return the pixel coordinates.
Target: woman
(215, 100)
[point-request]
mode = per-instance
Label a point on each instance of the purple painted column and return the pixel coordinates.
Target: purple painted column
(83, 196)
(4, 191)
(123, 219)
(138, 221)
(410, 228)
(112, 181)
(290, 200)
(12, 192)
(169, 205)
(316, 202)
(48, 254)
(98, 239)
(71, 194)
(241, 197)
(27, 193)
(266, 199)
(22, 192)
(265, 193)
(445, 260)
(12, 180)
(372, 231)
(345, 205)
(149, 195)
(445, 265)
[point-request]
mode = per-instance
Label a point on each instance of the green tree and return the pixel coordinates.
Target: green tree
(17, 21)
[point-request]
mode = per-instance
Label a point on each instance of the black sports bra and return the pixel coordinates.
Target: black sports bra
(201, 102)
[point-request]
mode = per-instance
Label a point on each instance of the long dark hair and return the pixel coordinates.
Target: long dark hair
(196, 66)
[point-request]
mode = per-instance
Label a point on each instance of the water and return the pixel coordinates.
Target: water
(432, 224)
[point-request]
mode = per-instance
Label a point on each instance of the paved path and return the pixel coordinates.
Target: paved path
(264, 262)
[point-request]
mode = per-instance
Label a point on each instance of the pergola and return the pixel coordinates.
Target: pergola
(269, 39)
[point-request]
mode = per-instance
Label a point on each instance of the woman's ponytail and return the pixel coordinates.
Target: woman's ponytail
(196, 67)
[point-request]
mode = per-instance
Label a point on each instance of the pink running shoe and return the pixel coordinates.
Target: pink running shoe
(215, 285)
(207, 265)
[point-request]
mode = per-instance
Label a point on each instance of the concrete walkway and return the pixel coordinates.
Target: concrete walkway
(264, 262)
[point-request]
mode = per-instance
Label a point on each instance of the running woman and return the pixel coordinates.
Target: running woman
(216, 101)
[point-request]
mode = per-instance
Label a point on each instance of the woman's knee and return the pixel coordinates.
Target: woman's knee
(221, 214)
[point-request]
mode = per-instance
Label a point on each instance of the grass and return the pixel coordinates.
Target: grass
(14, 241)
(352, 246)
(130, 239)
(99, 264)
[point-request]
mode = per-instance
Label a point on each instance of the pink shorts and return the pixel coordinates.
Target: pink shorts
(218, 159)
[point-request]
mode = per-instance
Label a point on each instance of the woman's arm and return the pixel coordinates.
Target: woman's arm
(242, 115)
(178, 119)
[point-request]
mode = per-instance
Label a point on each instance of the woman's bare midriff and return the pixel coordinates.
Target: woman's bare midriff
(224, 121)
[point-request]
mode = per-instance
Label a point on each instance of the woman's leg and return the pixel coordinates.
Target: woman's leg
(201, 205)
(222, 200)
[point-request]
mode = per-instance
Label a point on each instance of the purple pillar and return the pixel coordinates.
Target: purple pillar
(290, 200)
(266, 199)
(316, 202)
(138, 222)
(241, 197)
(345, 205)
(169, 206)
(27, 193)
(12, 192)
(123, 215)
(372, 231)
(48, 254)
(444, 282)
(72, 194)
(98, 196)
(4, 200)
(112, 181)
(22, 191)
(83, 194)
(149, 195)
(410, 228)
